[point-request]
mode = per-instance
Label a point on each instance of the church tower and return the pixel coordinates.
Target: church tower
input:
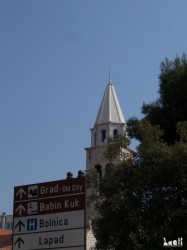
(109, 122)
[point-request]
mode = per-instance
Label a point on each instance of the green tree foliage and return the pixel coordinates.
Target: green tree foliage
(171, 107)
(163, 171)
(117, 216)
(143, 197)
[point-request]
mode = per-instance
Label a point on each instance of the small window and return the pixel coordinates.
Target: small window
(103, 135)
(9, 225)
(115, 132)
(99, 175)
(99, 170)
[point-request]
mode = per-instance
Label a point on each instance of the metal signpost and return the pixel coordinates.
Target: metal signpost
(50, 215)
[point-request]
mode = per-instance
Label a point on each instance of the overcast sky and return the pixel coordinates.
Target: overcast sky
(55, 58)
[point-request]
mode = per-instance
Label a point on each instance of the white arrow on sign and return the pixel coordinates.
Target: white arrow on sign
(21, 192)
(20, 208)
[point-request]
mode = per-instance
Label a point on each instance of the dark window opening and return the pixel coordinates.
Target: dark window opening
(99, 170)
(115, 132)
(99, 175)
(103, 135)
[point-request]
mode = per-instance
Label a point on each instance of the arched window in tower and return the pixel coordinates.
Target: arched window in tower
(99, 175)
(99, 170)
(103, 135)
(115, 132)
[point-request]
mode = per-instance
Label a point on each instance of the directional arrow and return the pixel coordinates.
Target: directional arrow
(20, 193)
(19, 224)
(19, 241)
(19, 209)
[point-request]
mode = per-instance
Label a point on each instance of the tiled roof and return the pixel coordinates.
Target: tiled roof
(5, 232)
(5, 239)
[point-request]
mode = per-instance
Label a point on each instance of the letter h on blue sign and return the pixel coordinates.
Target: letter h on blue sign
(31, 224)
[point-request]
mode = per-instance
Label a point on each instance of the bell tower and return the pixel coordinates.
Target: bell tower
(109, 122)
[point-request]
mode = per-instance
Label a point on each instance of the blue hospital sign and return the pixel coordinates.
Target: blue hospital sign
(31, 224)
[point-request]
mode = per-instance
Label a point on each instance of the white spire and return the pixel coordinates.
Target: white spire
(110, 110)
